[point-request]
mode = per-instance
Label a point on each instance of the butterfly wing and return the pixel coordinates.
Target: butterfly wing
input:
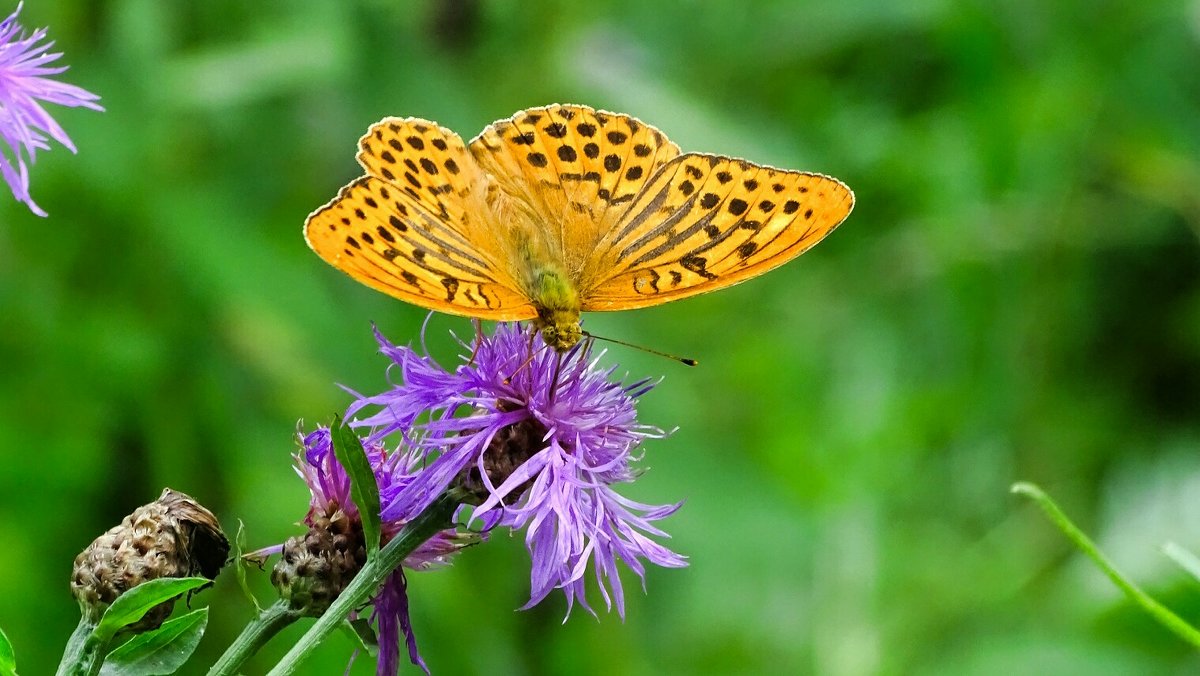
(705, 222)
(573, 170)
(417, 227)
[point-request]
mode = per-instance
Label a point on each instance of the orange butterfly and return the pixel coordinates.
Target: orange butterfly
(562, 209)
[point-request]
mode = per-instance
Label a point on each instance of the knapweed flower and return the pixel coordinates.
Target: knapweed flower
(25, 79)
(316, 567)
(541, 438)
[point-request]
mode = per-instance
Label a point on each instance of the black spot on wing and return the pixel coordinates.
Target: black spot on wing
(697, 264)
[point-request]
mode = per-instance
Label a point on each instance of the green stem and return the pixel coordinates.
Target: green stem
(1155, 609)
(254, 636)
(438, 516)
(84, 653)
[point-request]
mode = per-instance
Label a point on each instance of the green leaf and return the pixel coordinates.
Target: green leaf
(1159, 612)
(239, 546)
(1183, 558)
(162, 651)
(349, 451)
(8, 658)
(362, 633)
(133, 604)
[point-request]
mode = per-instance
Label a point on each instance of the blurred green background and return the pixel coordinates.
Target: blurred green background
(1016, 296)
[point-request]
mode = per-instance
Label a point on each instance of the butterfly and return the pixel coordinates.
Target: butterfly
(562, 209)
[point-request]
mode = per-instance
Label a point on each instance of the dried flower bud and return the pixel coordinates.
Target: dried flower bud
(317, 566)
(174, 536)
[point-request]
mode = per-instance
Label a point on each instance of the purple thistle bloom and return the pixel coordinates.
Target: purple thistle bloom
(330, 487)
(555, 431)
(25, 78)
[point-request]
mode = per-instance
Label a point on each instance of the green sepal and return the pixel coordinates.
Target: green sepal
(162, 651)
(133, 604)
(363, 488)
(242, 560)
(8, 658)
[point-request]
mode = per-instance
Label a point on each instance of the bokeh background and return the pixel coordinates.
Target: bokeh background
(1016, 296)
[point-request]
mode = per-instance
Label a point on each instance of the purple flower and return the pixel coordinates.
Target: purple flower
(542, 438)
(25, 78)
(330, 487)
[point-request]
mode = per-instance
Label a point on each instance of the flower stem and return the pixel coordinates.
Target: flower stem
(437, 516)
(254, 636)
(1155, 609)
(84, 653)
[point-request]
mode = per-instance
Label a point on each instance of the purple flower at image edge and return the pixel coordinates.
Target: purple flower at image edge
(557, 430)
(25, 80)
(329, 484)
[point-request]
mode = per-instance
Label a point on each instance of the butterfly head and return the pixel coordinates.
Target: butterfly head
(560, 329)
(557, 303)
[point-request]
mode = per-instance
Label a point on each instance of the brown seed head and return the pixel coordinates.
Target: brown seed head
(174, 536)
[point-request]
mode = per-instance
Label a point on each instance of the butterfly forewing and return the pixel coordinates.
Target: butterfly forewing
(576, 168)
(391, 240)
(705, 222)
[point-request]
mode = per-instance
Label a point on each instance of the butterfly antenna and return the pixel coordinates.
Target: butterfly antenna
(682, 360)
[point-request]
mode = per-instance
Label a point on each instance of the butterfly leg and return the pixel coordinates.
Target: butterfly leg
(478, 341)
(533, 334)
(558, 359)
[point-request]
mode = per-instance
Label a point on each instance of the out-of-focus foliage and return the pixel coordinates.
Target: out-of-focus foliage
(1016, 296)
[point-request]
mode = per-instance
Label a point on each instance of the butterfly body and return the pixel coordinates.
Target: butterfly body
(560, 210)
(558, 309)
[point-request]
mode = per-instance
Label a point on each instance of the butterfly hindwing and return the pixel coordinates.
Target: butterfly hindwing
(576, 168)
(705, 222)
(393, 241)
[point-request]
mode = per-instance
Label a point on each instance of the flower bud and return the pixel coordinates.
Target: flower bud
(317, 566)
